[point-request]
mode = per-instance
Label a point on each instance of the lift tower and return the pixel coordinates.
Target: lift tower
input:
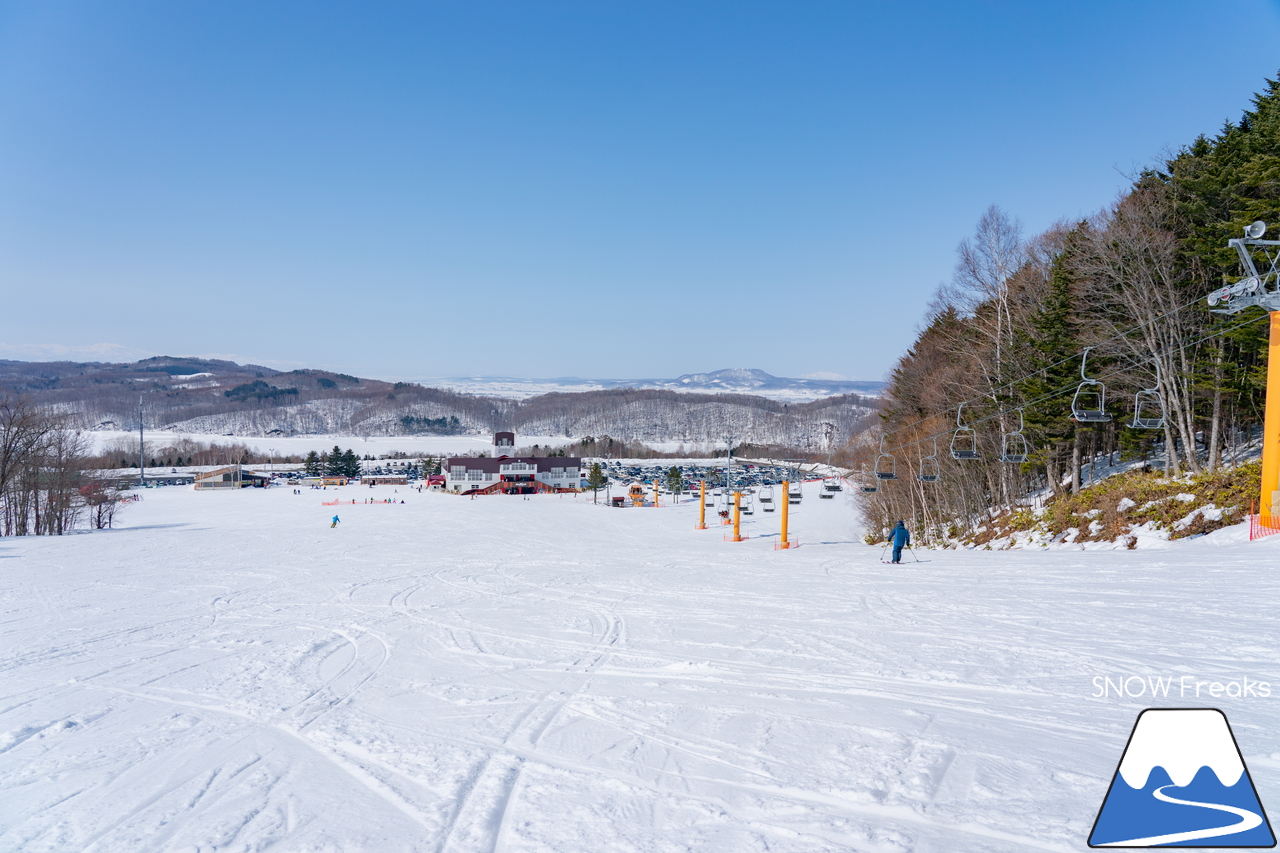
(1261, 289)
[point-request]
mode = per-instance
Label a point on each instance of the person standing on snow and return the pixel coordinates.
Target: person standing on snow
(335, 523)
(901, 538)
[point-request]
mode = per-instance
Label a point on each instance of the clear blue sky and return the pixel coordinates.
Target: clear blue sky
(550, 189)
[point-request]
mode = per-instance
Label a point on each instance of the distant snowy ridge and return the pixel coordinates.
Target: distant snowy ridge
(214, 397)
(1181, 741)
(729, 381)
(62, 352)
(643, 416)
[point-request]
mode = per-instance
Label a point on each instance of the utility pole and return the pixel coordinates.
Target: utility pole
(142, 461)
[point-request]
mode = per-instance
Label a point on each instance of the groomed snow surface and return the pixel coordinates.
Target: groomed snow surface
(228, 672)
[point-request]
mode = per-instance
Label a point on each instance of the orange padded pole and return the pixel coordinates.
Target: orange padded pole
(1269, 499)
(786, 504)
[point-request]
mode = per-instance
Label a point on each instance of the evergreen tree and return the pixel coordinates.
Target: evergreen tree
(1220, 185)
(335, 463)
(350, 464)
(312, 466)
(1056, 367)
(675, 480)
(596, 480)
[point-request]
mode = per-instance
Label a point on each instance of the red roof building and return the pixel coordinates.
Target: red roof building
(506, 474)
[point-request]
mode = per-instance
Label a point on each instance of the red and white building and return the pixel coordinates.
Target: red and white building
(503, 473)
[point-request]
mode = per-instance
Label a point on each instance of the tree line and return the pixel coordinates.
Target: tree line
(45, 486)
(1002, 346)
(124, 453)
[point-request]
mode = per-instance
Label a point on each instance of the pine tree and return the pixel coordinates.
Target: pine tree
(675, 480)
(334, 462)
(1056, 369)
(312, 466)
(596, 480)
(1220, 185)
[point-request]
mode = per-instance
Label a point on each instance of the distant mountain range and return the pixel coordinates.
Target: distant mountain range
(220, 397)
(730, 381)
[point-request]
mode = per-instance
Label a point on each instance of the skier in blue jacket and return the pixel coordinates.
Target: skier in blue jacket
(901, 538)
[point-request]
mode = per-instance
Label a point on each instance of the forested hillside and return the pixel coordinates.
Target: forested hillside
(223, 398)
(1005, 338)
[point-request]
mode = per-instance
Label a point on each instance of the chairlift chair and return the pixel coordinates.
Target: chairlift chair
(1145, 403)
(886, 465)
(1089, 405)
(766, 499)
(1013, 446)
(796, 492)
(868, 487)
(930, 472)
(964, 441)
(832, 484)
(748, 505)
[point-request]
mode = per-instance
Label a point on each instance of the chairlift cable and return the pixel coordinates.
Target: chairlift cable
(1061, 391)
(1118, 336)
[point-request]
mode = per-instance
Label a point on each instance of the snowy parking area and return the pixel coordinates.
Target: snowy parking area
(228, 672)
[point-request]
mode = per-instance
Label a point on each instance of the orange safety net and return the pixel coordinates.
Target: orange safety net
(1258, 527)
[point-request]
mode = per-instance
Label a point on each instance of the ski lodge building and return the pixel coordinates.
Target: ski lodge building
(231, 477)
(512, 475)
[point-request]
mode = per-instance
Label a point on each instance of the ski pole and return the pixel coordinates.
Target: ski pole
(882, 550)
(913, 553)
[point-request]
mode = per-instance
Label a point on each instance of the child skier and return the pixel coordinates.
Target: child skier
(901, 538)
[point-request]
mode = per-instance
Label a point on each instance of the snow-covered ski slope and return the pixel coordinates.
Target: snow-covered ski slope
(227, 672)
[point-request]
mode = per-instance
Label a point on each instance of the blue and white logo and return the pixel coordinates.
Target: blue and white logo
(1182, 783)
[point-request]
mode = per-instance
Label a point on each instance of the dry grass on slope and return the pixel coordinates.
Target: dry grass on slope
(1107, 512)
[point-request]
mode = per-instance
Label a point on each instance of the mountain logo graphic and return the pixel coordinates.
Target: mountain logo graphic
(1182, 783)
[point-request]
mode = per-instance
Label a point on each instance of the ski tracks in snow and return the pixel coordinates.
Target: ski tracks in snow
(461, 676)
(483, 817)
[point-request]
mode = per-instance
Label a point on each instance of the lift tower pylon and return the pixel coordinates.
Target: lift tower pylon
(1261, 288)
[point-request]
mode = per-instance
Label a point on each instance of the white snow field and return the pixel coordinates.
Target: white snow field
(228, 672)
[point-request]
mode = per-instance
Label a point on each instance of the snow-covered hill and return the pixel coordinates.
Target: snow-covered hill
(210, 397)
(445, 674)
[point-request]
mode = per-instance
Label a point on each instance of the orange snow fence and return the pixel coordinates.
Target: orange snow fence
(1258, 528)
